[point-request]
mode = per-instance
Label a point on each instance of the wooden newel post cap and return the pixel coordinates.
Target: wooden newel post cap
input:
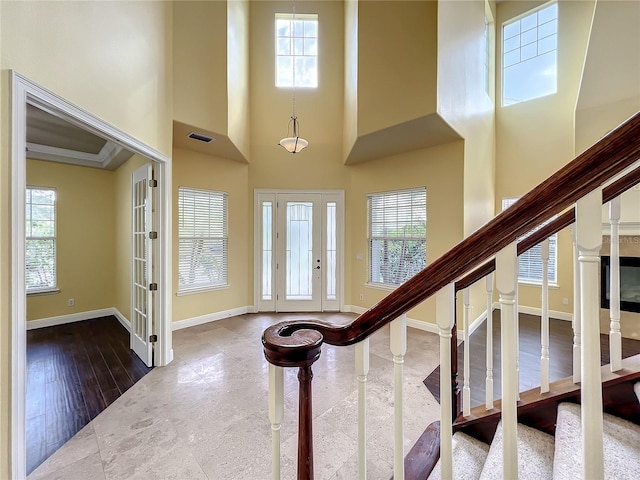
(290, 344)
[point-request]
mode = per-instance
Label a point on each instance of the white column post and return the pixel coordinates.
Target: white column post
(489, 380)
(589, 240)
(445, 311)
(577, 316)
(544, 333)
(466, 389)
(507, 285)
(276, 412)
(615, 337)
(398, 334)
(362, 370)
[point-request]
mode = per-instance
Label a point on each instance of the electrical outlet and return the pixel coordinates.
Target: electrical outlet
(71, 302)
(565, 301)
(362, 296)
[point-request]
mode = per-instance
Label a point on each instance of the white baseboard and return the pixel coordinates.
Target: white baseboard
(210, 317)
(78, 317)
(537, 311)
(411, 322)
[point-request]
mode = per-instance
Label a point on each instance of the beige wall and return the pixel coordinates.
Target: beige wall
(111, 58)
(84, 238)
(196, 170)
(536, 138)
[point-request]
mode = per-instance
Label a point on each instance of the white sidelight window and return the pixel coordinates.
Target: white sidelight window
(397, 235)
(41, 239)
(529, 55)
(530, 262)
(202, 239)
(296, 50)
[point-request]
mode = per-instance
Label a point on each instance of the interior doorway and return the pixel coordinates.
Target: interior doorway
(24, 94)
(299, 254)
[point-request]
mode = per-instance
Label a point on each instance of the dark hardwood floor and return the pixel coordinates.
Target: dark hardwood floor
(74, 371)
(560, 356)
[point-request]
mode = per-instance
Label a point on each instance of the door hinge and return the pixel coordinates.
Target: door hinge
(153, 338)
(153, 235)
(153, 287)
(153, 183)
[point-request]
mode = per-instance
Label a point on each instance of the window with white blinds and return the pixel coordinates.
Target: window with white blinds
(397, 235)
(41, 239)
(530, 262)
(202, 239)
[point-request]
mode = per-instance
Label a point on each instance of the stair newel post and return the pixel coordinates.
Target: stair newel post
(445, 314)
(362, 370)
(489, 360)
(576, 323)
(615, 337)
(544, 333)
(507, 286)
(276, 412)
(589, 239)
(398, 341)
(286, 346)
(466, 390)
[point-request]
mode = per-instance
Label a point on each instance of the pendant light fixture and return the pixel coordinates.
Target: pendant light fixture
(293, 143)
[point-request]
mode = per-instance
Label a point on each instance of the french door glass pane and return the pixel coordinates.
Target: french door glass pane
(299, 251)
(267, 250)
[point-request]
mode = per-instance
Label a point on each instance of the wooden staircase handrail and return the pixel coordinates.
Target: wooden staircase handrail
(563, 221)
(610, 156)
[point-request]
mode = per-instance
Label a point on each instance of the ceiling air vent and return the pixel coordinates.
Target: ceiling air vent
(201, 137)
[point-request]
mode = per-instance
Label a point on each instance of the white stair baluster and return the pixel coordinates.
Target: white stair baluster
(362, 370)
(398, 334)
(466, 390)
(589, 240)
(507, 285)
(489, 379)
(576, 323)
(445, 311)
(615, 337)
(544, 333)
(276, 412)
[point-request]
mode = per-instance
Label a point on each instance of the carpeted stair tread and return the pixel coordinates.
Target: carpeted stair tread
(621, 445)
(535, 455)
(469, 456)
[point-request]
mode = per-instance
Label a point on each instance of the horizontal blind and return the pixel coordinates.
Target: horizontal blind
(202, 239)
(397, 235)
(40, 252)
(530, 262)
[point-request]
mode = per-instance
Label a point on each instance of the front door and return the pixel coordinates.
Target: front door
(300, 264)
(142, 284)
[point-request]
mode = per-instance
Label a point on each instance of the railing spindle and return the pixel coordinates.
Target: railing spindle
(276, 412)
(507, 285)
(489, 380)
(445, 314)
(362, 370)
(466, 389)
(589, 239)
(544, 333)
(615, 337)
(577, 317)
(398, 340)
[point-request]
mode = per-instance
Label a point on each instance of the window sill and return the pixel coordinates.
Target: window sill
(194, 291)
(533, 284)
(48, 291)
(381, 286)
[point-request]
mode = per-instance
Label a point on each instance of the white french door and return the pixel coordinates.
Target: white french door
(142, 285)
(299, 260)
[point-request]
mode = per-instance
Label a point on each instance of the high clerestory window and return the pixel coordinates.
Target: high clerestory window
(397, 235)
(529, 55)
(296, 50)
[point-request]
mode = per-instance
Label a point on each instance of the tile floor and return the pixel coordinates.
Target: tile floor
(205, 415)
